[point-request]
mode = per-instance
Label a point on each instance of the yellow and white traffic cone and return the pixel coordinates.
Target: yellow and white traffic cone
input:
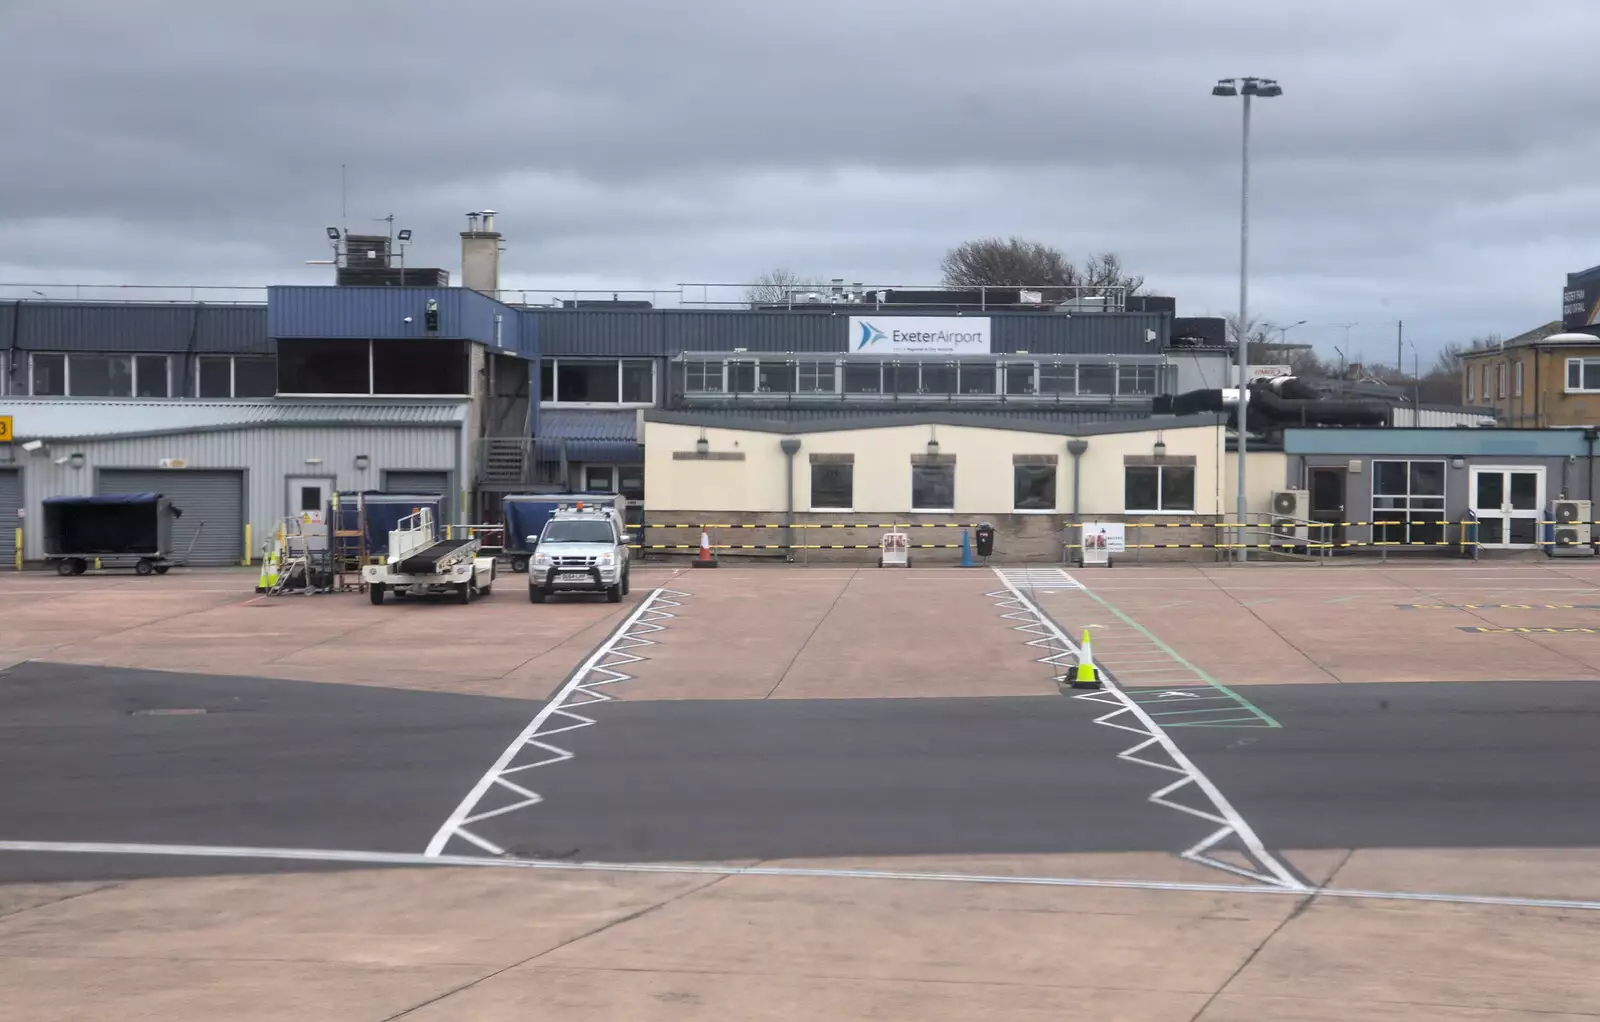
(1086, 674)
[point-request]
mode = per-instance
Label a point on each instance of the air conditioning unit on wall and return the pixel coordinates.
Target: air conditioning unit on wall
(1289, 509)
(1572, 533)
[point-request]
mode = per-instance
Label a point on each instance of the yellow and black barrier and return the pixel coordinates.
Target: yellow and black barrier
(817, 525)
(785, 546)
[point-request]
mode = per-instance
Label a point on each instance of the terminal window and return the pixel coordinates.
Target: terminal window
(832, 486)
(1033, 487)
(1158, 488)
(933, 487)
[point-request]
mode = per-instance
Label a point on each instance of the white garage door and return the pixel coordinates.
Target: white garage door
(212, 505)
(10, 501)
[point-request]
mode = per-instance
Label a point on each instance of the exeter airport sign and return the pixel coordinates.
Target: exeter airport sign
(920, 335)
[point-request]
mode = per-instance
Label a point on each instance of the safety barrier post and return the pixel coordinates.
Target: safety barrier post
(18, 555)
(247, 546)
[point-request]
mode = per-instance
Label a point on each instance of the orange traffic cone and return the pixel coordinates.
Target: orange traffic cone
(706, 559)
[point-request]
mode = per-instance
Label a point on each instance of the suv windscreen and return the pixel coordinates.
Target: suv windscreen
(578, 532)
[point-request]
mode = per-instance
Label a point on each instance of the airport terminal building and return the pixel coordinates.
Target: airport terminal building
(252, 411)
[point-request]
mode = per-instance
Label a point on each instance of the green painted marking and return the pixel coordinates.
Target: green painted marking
(1230, 722)
(1188, 712)
(1265, 718)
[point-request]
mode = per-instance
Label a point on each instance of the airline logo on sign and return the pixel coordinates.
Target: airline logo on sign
(1269, 372)
(920, 335)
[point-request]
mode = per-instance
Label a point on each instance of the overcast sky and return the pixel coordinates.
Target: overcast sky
(1432, 161)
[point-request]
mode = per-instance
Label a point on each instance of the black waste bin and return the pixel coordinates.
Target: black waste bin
(985, 539)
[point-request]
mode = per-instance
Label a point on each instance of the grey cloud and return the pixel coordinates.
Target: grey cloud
(1430, 155)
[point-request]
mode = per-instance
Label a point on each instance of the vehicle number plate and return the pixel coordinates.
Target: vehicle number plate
(573, 578)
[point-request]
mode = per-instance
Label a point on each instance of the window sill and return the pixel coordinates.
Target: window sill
(933, 510)
(1034, 511)
(832, 510)
(1131, 511)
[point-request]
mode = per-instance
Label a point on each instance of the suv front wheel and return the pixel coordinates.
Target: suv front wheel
(624, 581)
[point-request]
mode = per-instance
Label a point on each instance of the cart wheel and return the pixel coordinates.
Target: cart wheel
(519, 564)
(144, 567)
(464, 592)
(162, 569)
(375, 593)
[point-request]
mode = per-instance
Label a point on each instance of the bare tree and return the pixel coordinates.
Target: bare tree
(780, 285)
(1105, 270)
(1448, 361)
(1015, 262)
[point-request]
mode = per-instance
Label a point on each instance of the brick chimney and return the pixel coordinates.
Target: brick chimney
(480, 253)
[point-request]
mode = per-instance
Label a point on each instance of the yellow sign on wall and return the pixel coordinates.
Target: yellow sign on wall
(5, 429)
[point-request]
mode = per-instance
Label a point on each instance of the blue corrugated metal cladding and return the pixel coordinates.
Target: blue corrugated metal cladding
(379, 312)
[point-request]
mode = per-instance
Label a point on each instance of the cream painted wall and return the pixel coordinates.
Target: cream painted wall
(883, 473)
(1264, 473)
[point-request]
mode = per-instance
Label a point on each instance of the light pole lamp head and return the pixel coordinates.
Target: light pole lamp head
(1224, 87)
(1263, 88)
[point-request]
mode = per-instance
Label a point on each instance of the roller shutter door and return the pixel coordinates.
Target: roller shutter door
(10, 501)
(213, 498)
(421, 484)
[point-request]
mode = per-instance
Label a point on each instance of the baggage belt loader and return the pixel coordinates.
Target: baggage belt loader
(419, 563)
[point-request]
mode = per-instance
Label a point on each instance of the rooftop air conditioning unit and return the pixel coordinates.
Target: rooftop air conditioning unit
(1572, 533)
(1290, 509)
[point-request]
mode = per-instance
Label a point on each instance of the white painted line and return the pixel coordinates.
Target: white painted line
(581, 683)
(1112, 694)
(714, 869)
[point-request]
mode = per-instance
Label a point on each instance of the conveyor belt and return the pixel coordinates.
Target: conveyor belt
(426, 561)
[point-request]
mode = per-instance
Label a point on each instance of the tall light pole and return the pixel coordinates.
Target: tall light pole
(1249, 88)
(1283, 332)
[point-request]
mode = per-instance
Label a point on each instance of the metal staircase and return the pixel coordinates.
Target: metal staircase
(505, 460)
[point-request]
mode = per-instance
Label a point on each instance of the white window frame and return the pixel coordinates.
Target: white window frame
(1472, 383)
(1161, 490)
(555, 380)
(1408, 513)
(1516, 379)
(1579, 363)
(133, 358)
(1500, 380)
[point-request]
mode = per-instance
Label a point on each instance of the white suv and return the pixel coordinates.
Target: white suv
(579, 551)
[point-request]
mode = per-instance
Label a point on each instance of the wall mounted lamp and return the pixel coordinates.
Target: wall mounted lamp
(363, 462)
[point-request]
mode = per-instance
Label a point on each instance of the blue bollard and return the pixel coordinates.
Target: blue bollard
(966, 551)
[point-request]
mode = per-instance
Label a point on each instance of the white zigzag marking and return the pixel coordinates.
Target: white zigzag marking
(583, 689)
(1137, 721)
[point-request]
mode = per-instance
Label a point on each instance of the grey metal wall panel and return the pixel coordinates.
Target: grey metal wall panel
(269, 454)
(1093, 333)
(422, 482)
(599, 332)
(756, 331)
(671, 331)
(212, 503)
(56, 326)
(10, 502)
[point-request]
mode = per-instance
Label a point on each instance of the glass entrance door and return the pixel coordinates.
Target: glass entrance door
(1507, 502)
